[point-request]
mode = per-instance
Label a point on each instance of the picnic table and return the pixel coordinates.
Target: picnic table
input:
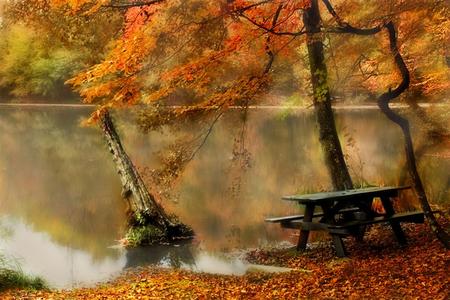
(345, 213)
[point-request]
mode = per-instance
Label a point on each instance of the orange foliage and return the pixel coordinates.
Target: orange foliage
(423, 36)
(203, 49)
(200, 46)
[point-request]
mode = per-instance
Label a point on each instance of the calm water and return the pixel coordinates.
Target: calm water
(61, 213)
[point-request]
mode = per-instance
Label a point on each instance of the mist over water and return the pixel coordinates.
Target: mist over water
(61, 212)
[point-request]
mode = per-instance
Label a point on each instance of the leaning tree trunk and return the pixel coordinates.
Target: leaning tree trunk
(383, 103)
(145, 210)
(329, 139)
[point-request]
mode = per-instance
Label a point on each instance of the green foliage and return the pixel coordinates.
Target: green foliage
(90, 35)
(12, 277)
(31, 65)
(292, 103)
(141, 231)
(144, 235)
(42, 47)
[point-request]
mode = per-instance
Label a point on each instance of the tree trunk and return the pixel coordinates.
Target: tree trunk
(415, 177)
(329, 139)
(145, 210)
(383, 103)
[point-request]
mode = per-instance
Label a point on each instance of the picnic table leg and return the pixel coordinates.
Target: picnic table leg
(396, 227)
(304, 234)
(339, 245)
(330, 212)
(365, 205)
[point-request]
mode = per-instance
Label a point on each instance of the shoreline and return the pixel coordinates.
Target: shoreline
(271, 107)
(379, 268)
(68, 105)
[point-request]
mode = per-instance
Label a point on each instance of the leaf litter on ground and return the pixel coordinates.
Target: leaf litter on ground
(376, 269)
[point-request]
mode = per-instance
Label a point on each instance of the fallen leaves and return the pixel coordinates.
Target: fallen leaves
(377, 269)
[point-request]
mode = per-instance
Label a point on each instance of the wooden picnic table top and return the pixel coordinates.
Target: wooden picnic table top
(344, 195)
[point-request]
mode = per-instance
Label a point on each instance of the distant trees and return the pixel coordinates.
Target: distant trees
(29, 65)
(42, 48)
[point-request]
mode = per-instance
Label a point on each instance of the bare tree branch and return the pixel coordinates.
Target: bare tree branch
(345, 27)
(268, 49)
(129, 4)
(272, 30)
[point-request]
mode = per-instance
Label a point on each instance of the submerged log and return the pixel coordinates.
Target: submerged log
(148, 222)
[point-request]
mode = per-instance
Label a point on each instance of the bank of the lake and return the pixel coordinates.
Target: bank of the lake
(377, 269)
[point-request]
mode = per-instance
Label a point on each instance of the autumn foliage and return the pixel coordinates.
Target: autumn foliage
(216, 54)
(199, 47)
(222, 53)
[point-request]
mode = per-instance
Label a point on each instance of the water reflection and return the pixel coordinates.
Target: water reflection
(186, 256)
(58, 178)
(164, 255)
(60, 192)
(65, 267)
(61, 266)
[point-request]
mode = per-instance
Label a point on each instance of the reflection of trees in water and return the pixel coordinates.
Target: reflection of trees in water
(433, 164)
(60, 179)
(5, 230)
(385, 164)
(285, 159)
(166, 255)
(56, 176)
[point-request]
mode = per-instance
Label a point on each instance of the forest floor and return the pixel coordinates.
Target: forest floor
(376, 269)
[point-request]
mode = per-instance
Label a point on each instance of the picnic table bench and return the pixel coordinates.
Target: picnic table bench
(346, 213)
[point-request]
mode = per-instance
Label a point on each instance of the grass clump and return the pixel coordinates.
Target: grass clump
(16, 279)
(12, 277)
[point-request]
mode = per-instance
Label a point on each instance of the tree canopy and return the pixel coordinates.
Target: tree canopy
(222, 53)
(216, 52)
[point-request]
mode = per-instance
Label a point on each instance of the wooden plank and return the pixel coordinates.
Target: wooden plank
(413, 217)
(306, 226)
(348, 194)
(284, 219)
(339, 231)
(299, 217)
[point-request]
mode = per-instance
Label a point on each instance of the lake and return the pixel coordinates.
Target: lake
(61, 213)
